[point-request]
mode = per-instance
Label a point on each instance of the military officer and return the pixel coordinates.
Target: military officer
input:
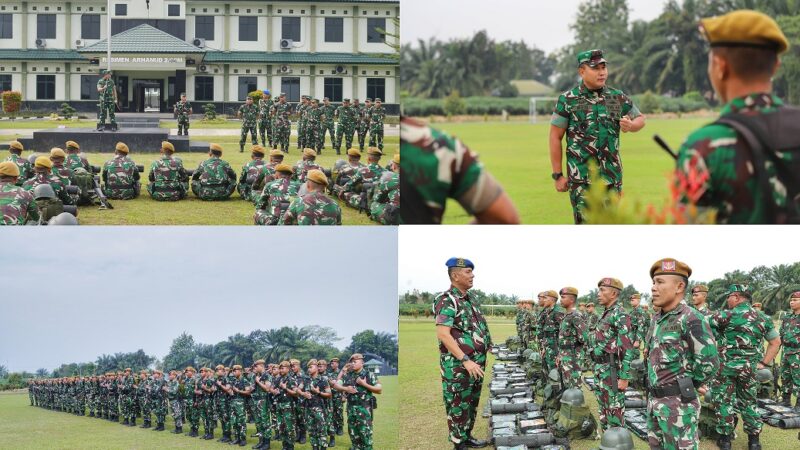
(571, 335)
(241, 389)
(158, 393)
(120, 175)
(547, 329)
(107, 101)
(363, 121)
(346, 127)
(302, 118)
(285, 392)
(790, 360)
(283, 126)
(15, 148)
(328, 113)
(376, 116)
(360, 386)
(313, 208)
(182, 110)
(265, 118)
(262, 389)
(17, 205)
(214, 179)
(249, 115)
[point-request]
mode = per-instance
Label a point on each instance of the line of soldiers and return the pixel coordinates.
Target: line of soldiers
(270, 120)
(689, 351)
(285, 403)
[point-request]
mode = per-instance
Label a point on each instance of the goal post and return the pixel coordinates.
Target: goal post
(533, 103)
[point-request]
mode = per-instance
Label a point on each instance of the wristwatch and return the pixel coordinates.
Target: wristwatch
(557, 175)
(465, 358)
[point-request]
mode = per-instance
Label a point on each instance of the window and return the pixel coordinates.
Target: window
(334, 29)
(373, 35)
(291, 86)
(204, 88)
(120, 9)
(204, 27)
(290, 28)
(246, 85)
(6, 26)
(5, 82)
(45, 26)
(333, 89)
(45, 87)
(90, 26)
(376, 88)
(248, 28)
(174, 10)
(89, 87)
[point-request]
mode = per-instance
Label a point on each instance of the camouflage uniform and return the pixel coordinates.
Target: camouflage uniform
(316, 412)
(313, 128)
(213, 179)
(143, 399)
(126, 395)
(120, 178)
(209, 411)
(268, 205)
(327, 125)
(76, 161)
(222, 403)
(715, 168)
(680, 344)
(182, 111)
(193, 403)
(359, 409)
(346, 127)
(175, 401)
(337, 404)
(283, 126)
(313, 208)
(249, 117)
(377, 114)
(353, 191)
(591, 119)
(54, 181)
(547, 330)
(250, 173)
(285, 409)
(261, 409)
(157, 400)
(571, 334)
(265, 121)
(790, 360)
(385, 206)
(302, 168)
(25, 168)
(363, 114)
(106, 102)
(168, 179)
(469, 328)
(238, 419)
(17, 205)
(640, 323)
(302, 119)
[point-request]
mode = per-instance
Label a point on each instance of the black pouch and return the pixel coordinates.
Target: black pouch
(686, 386)
(373, 402)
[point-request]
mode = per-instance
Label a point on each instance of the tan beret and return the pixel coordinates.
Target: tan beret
(744, 28)
(309, 152)
(335, 359)
(670, 266)
(354, 152)
(374, 151)
(396, 158)
(356, 356)
(276, 152)
(260, 361)
(311, 362)
(285, 168)
(322, 361)
(611, 282)
(700, 288)
(257, 149)
(189, 369)
(57, 152)
(294, 361)
(552, 294)
(318, 177)
(72, 144)
(636, 296)
(237, 367)
(215, 147)
(16, 145)
(569, 290)
(165, 145)
(44, 161)
(121, 147)
(284, 364)
(219, 366)
(9, 169)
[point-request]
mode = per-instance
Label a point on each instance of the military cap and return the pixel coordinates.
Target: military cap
(189, 369)
(568, 290)
(57, 152)
(377, 99)
(237, 367)
(334, 359)
(227, 369)
(592, 58)
(551, 293)
(311, 362)
(700, 288)
(611, 282)
(219, 366)
(284, 364)
(182, 94)
(266, 91)
(314, 100)
(795, 294)
(374, 151)
(345, 100)
(259, 150)
(121, 147)
(158, 372)
(669, 266)
(367, 99)
(744, 28)
(322, 361)
(9, 169)
(740, 289)
(215, 147)
(276, 152)
(167, 146)
(204, 369)
(459, 262)
(294, 361)
(260, 361)
(72, 144)
(356, 356)
(396, 158)
(142, 371)
(285, 168)
(44, 161)
(309, 152)
(636, 295)
(354, 152)
(127, 369)
(16, 145)
(283, 94)
(317, 177)
(355, 99)
(173, 372)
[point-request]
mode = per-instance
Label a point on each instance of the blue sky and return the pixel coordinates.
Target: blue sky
(93, 290)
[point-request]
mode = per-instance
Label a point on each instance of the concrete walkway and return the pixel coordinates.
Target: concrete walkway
(389, 130)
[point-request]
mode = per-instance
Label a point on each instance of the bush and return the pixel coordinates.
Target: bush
(648, 103)
(255, 95)
(67, 111)
(454, 105)
(694, 96)
(12, 100)
(414, 310)
(209, 111)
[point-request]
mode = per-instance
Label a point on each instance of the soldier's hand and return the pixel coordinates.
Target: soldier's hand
(351, 390)
(702, 390)
(561, 184)
(622, 384)
(361, 382)
(625, 124)
(473, 369)
(635, 344)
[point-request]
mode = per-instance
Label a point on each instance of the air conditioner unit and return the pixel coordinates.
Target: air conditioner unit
(199, 42)
(286, 44)
(202, 68)
(80, 43)
(285, 69)
(41, 43)
(341, 70)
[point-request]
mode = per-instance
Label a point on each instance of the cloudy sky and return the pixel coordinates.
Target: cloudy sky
(523, 260)
(544, 24)
(98, 290)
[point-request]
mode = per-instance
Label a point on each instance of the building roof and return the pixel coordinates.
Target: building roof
(297, 58)
(143, 39)
(532, 87)
(373, 362)
(38, 54)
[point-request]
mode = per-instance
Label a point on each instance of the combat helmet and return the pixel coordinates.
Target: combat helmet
(616, 438)
(44, 191)
(554, 375)
(572, 397)
(64, 218)
(763, 375)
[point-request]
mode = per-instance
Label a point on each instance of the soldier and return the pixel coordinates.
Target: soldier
(58, 156)
(302, 119)
(182, 110)
(285, 392)
(682, 355)
(314, 391)
(741, 331)
(330, 430)
(343, 171)
(209, 412)
(385, 205)
(266, 174)
(75, 160)
(327, 126)
(337, 401)
(107, 100)
(17, 205)
(313, 208)
(265, 118)
(222, 402)
(112, 390)
(377, 114)
(173, 390)
(346, 126)
(429, 153)
(262, 389)
(548, 328)
(308, 163)
(192, 398)
(717, 166)
(251, 172)
(158, 392)
(611, 350)
(790, 359)
(301, 379)
(214, 179)
(571, 334)
(168, 178)
(143, 398)
(353, 191)
(240, 388)
(126, 396)
(363, 121)
(120, 175)
(592, 317)
(15, 149)
(249, 115)
(283, 126)
(591, 115)
(313, 125)
(275, 199)
(699, 295)
(464, 342)
(640, 322)
(361, 386)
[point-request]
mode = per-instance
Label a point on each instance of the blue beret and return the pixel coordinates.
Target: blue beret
(266, 91)
(459, 262)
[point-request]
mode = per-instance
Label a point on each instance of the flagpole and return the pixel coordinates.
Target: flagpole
(108, 32)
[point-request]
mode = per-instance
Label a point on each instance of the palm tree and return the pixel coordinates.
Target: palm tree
(780, 282)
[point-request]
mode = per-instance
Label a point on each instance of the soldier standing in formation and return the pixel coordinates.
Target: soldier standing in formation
(302, 108)
(347, 115)
(699, 297)
(790, 359)
(363, 122)
(571, 334)
(376, 117)
(360, 386)
(265, 118)
(640, 322)
(547, 329)
(283, 126)
(327, 126)
(183, 109)
(249, 115)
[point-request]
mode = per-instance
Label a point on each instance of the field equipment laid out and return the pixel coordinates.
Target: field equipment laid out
(777, 415)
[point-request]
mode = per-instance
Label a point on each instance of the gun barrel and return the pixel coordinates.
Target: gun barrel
(664, 145)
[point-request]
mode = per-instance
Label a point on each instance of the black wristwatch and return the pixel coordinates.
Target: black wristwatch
(465, 358)
(556, 175)
(766, 365)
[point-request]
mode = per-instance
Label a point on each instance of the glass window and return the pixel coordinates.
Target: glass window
(376, 88)
(45, 87)
(334, 29)
(204, 88)
(174, 10)
(246, 85)
(290, 28)
(5, 82)
(45, 26)
(333, 89)
(6, 26)
(89, 87)
(90, 26)
(248, 28)
(373, 35)
(120, 9)
(291, 86)
(204, 27)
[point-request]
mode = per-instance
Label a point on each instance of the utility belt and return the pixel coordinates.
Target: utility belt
(605, 358)
(683, 388)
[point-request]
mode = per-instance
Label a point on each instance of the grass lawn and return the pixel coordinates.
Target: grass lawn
(423, 424)
(46, 123)
(27, 427)
(193, 211)
(517, 155)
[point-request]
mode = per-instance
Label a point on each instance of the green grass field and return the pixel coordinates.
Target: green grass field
(423, 424)
(26, 427)
(193, 211)
(517, 155)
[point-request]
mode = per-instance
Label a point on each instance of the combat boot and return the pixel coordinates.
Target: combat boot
(160, 427)
(339, 431)
(234, 442)
(114, 127)
(133, 422)
(100, 127)
(178, 430)
(145, 423)
(724, 442)
(241, 148)
(225, 438)
(259, 444)
(243, 442)
(752, 442)
(301, 438)
(331, 441)
(125, 422)
(193, 433)
(265, 445)
(91, 414)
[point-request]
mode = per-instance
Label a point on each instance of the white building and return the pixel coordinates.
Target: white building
(215, 51)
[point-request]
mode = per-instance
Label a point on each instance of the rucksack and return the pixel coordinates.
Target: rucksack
(85, 181)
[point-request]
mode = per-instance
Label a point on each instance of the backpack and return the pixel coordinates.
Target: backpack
(85, 181)
(766, 135)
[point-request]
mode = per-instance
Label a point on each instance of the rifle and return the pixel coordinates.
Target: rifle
(104, 203)
(664, 145)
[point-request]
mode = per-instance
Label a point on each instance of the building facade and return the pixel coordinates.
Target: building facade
(216, 52)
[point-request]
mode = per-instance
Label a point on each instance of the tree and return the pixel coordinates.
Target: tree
(181, 353)
(381, 343)
(42, 373)
(3, 371)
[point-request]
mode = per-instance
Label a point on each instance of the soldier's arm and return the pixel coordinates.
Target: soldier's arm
(33, 210)
(703, 353)
(626, 351)
(774, 343)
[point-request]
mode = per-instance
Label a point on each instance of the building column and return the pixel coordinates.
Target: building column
(68, 24)
(68, 78)
(313, 78)
(226, 42)
(355, 29)
(269, 29)
(225, 82)
(24, 80)
(356, 93)
(24, 15)
(312, 45)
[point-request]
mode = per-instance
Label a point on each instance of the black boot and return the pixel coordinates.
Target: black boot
(114, 127)
(145, 423)
(100, 127)
(91, 414)
(160, 427)
(234, 442)
(753, 442)
(265, 445)
(259, 444)
(125, 422)
(331, 441)
(339, 431)
(301, 438)
(178, 430)
(724, 442)
(225, 438)
(242, 442)
(133, 422)
(241, 148)
(194, 433)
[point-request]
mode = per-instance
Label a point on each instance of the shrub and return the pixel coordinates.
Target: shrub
(454, 105)
(67, 111)
(12, 100)
(209, 111)
(648, 103)
(255, 95)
